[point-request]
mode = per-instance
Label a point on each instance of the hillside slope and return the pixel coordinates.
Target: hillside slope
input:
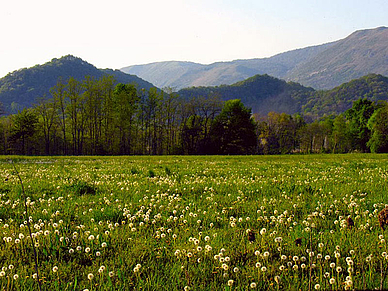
(21, 88)
(321, 67)
(362, 53)
(373, 87)
(187, 74)
(262, 93)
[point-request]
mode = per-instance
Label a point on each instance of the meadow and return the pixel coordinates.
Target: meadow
(194, 223)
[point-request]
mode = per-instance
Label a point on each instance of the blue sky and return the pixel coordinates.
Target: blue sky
(119, 33)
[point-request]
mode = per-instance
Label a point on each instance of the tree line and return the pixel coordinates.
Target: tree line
(100, 117)
(362, 128)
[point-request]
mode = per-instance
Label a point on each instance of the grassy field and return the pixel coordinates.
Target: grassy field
(194, 223)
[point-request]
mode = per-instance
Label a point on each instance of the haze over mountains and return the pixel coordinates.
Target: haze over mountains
(321, 67)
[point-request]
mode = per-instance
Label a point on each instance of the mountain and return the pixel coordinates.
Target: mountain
(373, 87)
(180, 75)
(363, 52)
(20, 88)
(321, 67)
(262, 93)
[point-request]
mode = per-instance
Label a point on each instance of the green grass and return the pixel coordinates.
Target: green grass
(185, 221)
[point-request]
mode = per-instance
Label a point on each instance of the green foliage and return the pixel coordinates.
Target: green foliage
(358, 117)
(279, 134)
(126, 102)
(233, 131)
(24, 127)
(163, 233)
(151, 173)
(24, 86)
(192, 136)
(80, 188)
(97, 117)
(341, 135)
(265, 94)
(378, 125)
(262, 93)
(336, 101)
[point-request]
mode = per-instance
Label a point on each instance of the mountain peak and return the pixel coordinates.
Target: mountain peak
(368, 32)
(68, 59)
(22, 87)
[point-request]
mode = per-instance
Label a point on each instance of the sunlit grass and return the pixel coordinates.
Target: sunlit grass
(176, 223)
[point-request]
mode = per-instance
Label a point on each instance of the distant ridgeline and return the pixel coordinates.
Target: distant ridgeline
(321, 67)
(264, 94)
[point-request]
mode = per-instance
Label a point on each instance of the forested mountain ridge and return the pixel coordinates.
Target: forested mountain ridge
(332, 102)
(261, 93)
(21, 88)
(264, 94)
(321, 67)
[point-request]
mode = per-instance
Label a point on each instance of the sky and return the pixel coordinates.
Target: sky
(119, 33)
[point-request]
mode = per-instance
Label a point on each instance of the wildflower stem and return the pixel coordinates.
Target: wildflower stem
(28, 225)
(310, 262)
(382, 275)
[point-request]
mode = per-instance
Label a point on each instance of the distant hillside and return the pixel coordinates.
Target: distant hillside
(188, 74)
(321, 67)
(362, 53)
(373, 87)
(166, 74)
(262, 93)
(20, 88)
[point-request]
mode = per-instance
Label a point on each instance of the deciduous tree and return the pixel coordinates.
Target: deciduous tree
(233, 131)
